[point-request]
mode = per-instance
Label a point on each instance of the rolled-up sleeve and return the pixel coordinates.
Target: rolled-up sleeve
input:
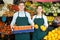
(33, 18)
(29, 18)
(45, 21)
(14, 19)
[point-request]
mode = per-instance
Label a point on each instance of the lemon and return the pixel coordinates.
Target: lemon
(53, 38)
(45, 37)
(58, 32)
(58, 36)
(52, 35)
(43, 28)
(56, 39)
(36, 26)
(55, 14)
(53, 31)
(55, 35)
(49, 39)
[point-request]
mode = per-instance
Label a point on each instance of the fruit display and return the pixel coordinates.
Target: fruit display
(1, 5)
(50, 18)
(6, 30)
(27, 3)
(49, 7)
(1, 13)
(43, 28)
(53, 35)
(8, 2)
(8, 13)
(55, 14)
(12, 7)
(36, 3)
(8, 10)
(1, 26)
(31, 12)
(31, 8)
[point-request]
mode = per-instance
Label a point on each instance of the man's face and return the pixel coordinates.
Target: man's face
(21, 6)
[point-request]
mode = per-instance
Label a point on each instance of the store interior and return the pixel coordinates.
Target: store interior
(51, 10)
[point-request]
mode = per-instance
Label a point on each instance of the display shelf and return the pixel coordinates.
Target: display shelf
(52, 14)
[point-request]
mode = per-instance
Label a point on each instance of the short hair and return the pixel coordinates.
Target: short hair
(21, 2)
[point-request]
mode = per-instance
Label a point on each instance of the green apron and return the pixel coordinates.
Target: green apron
(38, 34)
(22, 21)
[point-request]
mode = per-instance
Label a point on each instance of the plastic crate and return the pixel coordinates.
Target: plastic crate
(22, 29)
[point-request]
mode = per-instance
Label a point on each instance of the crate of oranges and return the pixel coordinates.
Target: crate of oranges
(22, 29)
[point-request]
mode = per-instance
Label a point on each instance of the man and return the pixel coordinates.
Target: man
(22, 18)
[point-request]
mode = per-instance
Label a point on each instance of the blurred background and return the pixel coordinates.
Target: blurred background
(51, 10)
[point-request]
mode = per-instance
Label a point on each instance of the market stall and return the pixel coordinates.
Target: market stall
(51, 9)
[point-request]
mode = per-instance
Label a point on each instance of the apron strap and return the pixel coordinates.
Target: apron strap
(41, 16)
(18, 14)
(24, 12)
